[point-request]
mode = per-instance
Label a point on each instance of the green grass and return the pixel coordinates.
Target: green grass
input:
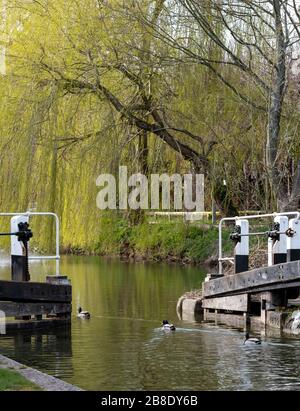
(163, 240)
(13, 381)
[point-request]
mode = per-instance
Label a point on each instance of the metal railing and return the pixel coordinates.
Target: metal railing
(43, 257)
(248, 217)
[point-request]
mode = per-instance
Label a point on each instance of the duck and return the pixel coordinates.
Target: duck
(168, 327)
(248, 340)
(83, 314)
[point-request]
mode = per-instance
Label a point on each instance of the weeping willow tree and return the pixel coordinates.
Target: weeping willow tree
(91, 85)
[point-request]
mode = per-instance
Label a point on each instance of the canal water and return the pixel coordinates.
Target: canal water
(122, 346)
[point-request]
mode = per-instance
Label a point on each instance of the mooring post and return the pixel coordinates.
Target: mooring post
(293, 242)
(241, 250)
(279, 241)
(19, 249)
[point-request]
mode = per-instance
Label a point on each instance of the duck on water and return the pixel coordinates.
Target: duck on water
(252, 341)
(83, 314)
(168, 327)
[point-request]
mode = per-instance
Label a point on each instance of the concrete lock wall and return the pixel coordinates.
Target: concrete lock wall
(189, 309)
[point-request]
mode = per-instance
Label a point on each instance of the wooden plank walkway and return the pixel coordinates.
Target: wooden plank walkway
(234, 303)
(36, 305)
(13, 309)
(275, 277)
(35, 292)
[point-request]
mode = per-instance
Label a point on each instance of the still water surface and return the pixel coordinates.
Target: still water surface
(123, 348)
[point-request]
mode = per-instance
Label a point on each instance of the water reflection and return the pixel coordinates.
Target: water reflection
(123, 348)
(41, 347)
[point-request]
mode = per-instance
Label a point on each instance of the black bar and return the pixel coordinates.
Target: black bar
(126, 400)
(241, 263)
(19, 268)
(293, 255)
(279, 258)
(9, 234)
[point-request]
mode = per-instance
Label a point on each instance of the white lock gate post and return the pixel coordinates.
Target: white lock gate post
(19, 254)
(241, 250)
(279, 245)
(293, 242)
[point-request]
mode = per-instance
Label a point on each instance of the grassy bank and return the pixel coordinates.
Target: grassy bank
(13, 381)
(195, 243)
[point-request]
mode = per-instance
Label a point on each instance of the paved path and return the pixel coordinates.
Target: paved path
(45, 381)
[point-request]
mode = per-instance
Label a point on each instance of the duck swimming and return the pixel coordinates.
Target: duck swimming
(248, 340)
(168, 327)
(83, 314)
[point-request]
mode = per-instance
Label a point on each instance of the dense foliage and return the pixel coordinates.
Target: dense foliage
(157, 85)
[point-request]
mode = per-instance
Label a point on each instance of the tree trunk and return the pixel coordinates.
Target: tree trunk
(275, 111)
(143, 152)
(294, 199)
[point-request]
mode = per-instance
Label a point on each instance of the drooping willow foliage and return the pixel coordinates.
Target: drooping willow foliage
(60, 126)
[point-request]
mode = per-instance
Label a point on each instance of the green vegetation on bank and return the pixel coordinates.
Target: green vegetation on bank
(174, 240)
(13, 381)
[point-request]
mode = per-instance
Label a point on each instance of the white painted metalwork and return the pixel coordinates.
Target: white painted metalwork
(193, 215)
(270, 252)
(242, 247)
(280, 247)
(296, 214)
(16, 246)
(293, 243)
(42, 257)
